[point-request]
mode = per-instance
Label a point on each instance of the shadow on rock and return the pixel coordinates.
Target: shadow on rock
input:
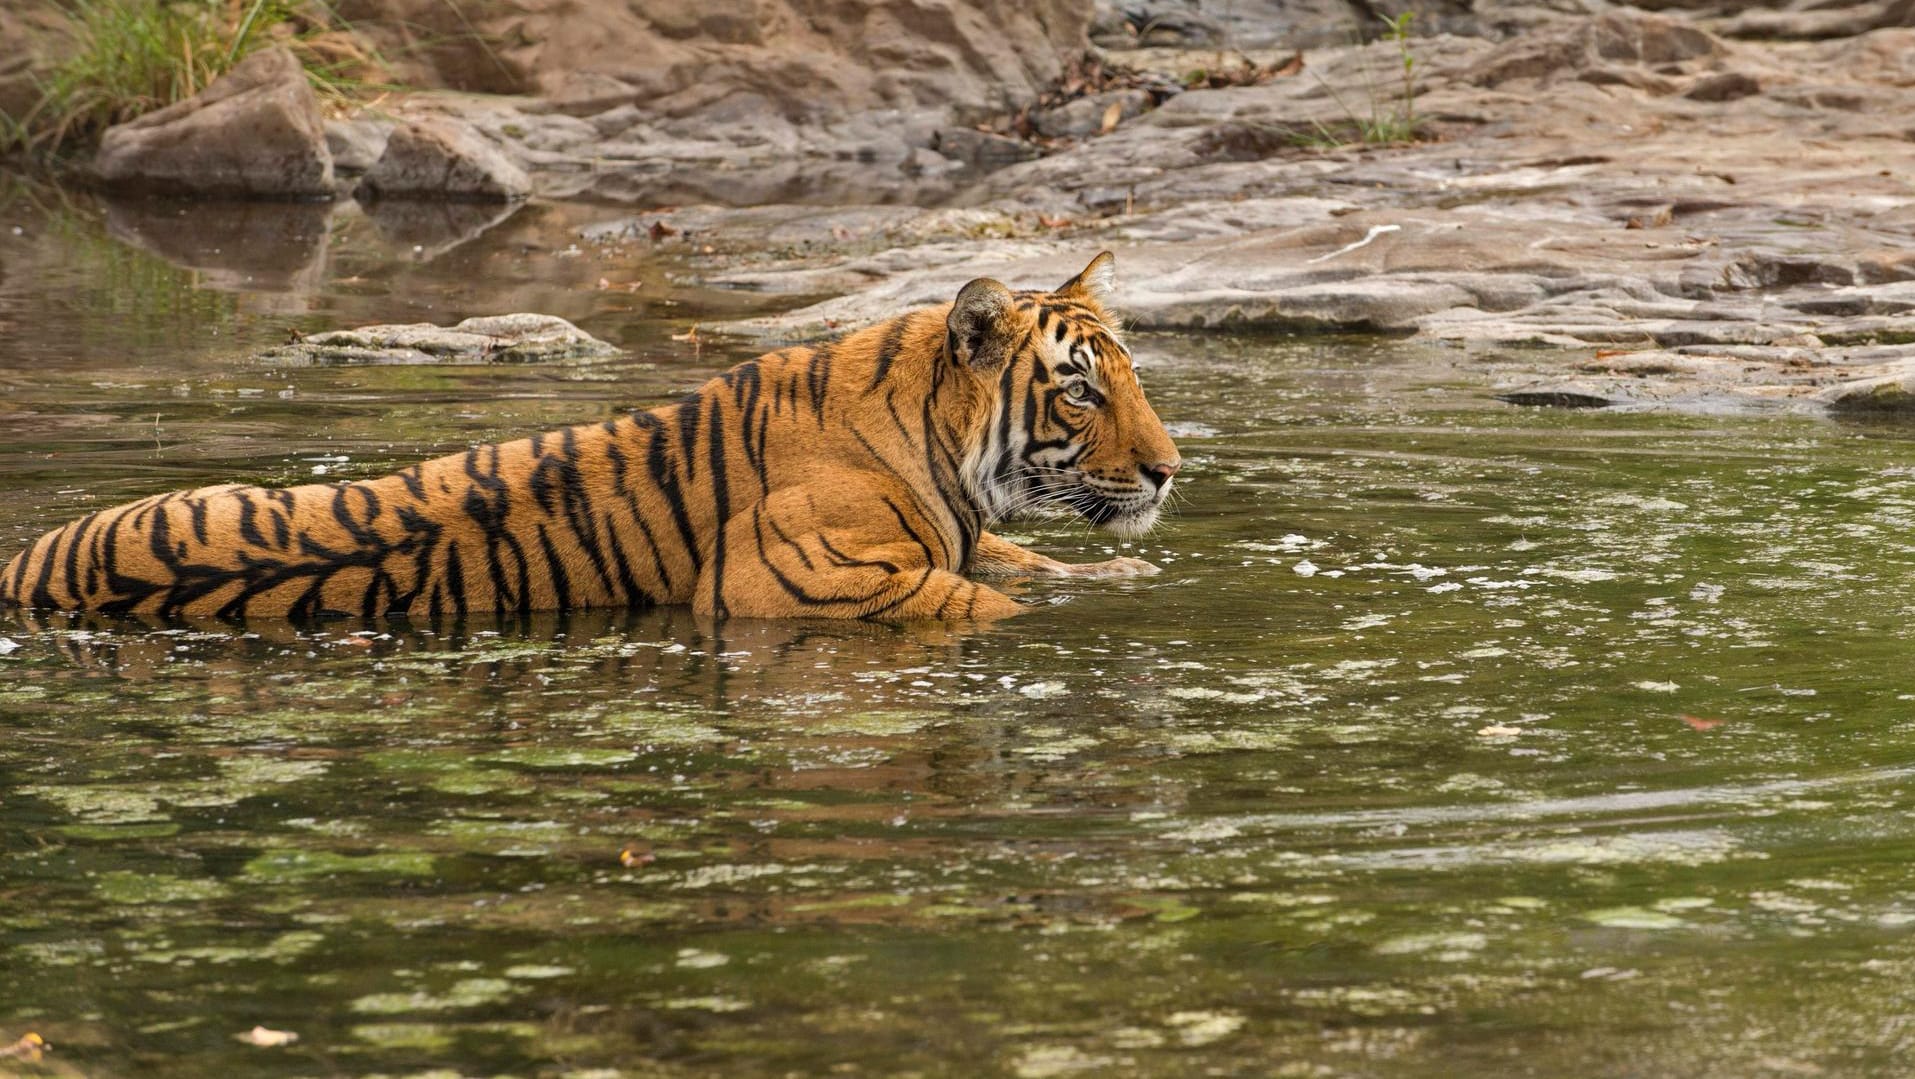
(235, 246)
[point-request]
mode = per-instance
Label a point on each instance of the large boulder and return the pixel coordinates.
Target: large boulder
(752, 60)
(445, 158)
(255, 133)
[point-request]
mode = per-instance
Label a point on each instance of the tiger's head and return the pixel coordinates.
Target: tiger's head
(1067, 426)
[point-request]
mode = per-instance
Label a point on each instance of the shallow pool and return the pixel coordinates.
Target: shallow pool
(1455, 738)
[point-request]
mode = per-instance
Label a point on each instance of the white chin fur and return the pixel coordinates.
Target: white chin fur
(1132, 525)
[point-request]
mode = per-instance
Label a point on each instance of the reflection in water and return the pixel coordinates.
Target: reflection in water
(683, 654)
(269, 247)
(234, 246)
(428, 229)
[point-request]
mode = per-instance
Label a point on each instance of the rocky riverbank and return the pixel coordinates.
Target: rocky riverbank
(1685, 208)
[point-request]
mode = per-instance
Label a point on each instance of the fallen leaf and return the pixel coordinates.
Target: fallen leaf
(690, 335)
(1049, 222)
(1701, 724)
(660, 230)
(1112, 115)
(29, 1048)
(267, 1038)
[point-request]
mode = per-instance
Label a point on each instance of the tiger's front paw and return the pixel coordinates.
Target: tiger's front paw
(1116, 567)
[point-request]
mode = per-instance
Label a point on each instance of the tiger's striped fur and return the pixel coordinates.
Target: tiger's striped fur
(853, 480)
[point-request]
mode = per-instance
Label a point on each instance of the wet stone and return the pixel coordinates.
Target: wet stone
(517, 338)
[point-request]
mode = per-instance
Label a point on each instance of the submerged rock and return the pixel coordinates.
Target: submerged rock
(517, 338)
(445, 158)
(255, 132)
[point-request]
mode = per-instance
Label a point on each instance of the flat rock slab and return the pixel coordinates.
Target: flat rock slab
(1876, 379)
(518, 338)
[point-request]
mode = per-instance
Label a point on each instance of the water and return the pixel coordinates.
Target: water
(1455, 738)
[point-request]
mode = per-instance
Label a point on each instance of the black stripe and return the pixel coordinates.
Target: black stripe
(42, 585)
(888, 350)
(248, 526)
(455, 579)
(721, 509)
(561, 581)
(73, 558)
(923, 579)
(662, 572)
(818, 381)
(665, 479)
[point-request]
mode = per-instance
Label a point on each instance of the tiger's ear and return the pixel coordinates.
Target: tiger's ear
(1096, 282)
(980, 324)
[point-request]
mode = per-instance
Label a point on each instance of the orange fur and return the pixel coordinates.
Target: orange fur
(853, 480)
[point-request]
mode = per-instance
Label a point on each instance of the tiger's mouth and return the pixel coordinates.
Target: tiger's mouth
(1127, 515)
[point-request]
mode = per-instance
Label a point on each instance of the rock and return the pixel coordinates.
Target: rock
(1728, 378)
(255, 132)
(1883, 393)
(356, 144)
(982, 149)
(1809, 21)
(777, 60)
(1111, 28)
(1177, 26)
(445, 158)
(1723, 86)
(519, 338)
(1085, 116)
(1576, 47)
(1292, 24)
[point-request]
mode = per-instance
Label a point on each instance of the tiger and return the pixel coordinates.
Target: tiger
(856, 479)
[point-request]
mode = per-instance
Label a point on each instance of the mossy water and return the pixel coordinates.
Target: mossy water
(1455, 739)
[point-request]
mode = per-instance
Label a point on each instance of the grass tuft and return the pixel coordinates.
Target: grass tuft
(130, 57)
(1392, 116)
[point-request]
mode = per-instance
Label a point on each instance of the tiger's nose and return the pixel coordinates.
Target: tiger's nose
(1161, 472)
